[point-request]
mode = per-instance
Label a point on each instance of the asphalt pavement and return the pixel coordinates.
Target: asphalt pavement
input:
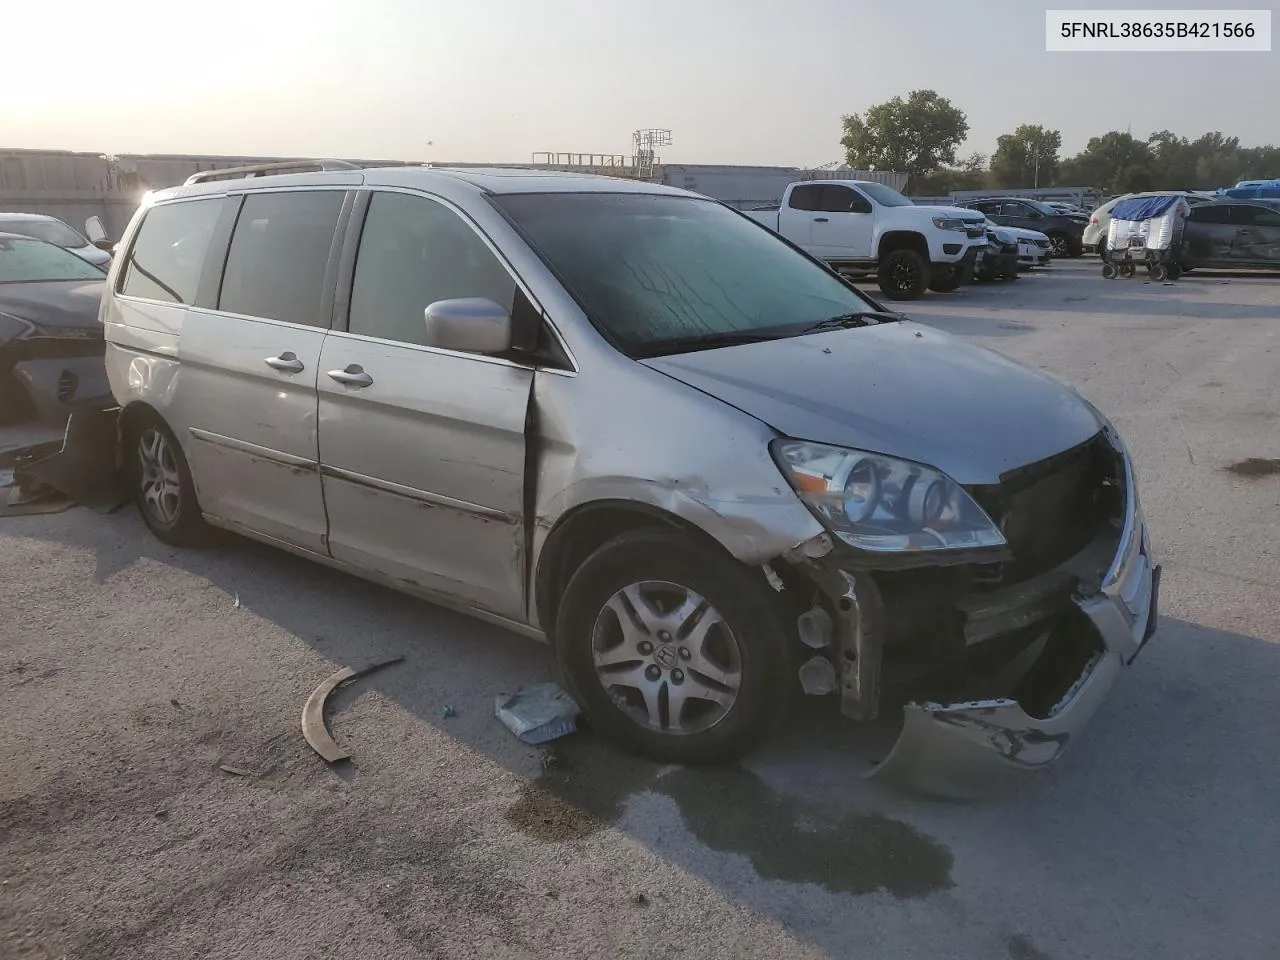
(157, 799)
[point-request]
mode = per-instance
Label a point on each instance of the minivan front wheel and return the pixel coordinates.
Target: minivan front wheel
(162, 484)
(673, 649)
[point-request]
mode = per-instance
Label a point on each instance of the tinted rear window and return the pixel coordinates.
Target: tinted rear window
(167, 255)
(278, 255)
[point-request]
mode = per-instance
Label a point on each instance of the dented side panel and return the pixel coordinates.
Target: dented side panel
(623, 433)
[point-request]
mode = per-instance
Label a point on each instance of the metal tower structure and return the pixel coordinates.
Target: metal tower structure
(645, 144)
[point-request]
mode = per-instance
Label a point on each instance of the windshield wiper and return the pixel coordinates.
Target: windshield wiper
(846, 321)
(706, 341)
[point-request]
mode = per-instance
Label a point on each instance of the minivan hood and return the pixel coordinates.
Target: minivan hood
(900, 389)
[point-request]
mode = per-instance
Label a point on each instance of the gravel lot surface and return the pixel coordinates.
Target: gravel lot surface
(131, 673)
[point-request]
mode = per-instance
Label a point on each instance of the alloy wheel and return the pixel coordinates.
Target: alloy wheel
(159, 480)
(905, 276)
(666, 657)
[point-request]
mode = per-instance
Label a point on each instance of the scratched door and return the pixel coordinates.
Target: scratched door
(422, 450)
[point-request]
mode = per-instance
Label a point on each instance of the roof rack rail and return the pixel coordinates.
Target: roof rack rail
(268, 169)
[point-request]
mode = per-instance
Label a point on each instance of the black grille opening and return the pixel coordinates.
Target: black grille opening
(67, 384)
(1051, 510)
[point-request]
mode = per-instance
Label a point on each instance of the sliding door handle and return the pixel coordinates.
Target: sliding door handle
(352, 376)
(287, 362)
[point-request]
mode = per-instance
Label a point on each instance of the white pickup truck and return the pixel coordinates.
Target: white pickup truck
(861, 227)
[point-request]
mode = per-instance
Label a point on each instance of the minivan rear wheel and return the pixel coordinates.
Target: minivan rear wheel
(163, 489)
(673, 649)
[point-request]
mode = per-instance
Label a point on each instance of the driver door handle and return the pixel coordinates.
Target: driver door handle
(819, 219)
(287, 362)
(352, 376)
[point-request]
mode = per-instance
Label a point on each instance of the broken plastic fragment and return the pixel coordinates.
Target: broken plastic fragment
(537, 713)
(818, 676)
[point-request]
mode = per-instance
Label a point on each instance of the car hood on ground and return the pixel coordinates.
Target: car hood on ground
(899, 389)
(65, 304)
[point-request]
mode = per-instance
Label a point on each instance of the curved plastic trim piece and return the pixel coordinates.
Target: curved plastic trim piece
(313, 728)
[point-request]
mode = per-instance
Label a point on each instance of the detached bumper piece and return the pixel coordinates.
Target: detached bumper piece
(964, 750)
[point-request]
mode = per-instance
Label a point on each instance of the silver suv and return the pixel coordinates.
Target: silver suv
(633, 422)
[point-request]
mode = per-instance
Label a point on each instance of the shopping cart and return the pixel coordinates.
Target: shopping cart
(1146, 231)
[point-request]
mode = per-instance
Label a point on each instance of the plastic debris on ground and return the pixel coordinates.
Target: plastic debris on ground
(537, 713)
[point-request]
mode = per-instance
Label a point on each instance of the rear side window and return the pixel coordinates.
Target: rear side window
(167, 255)
(1218, 213)
(840, 199)
(278, 255)
(413, 253)
(1265, 218)
(806, 197)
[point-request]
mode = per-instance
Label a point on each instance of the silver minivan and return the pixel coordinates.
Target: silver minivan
(633, 422)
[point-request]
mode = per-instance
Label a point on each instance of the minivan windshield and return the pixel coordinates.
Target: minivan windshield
(668, 274)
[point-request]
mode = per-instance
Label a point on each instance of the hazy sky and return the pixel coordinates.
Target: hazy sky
(745, 81)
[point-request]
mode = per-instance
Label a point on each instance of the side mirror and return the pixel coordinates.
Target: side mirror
(97, 233)
(468, 325)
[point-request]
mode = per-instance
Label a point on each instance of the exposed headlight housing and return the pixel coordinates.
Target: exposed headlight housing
(948, 223)
(882, 504)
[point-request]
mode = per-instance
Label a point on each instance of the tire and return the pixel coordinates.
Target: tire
(1059, 245)
(161, 480)
(1109, 271)
(1128, 270)
(639, 578)
(903, 275)
(1010, 276)
(945, 279)
(1102, 248)
(1175, 271)
(1159, 272)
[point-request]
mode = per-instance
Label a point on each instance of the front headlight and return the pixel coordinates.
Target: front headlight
(948, 223)
(882, 504)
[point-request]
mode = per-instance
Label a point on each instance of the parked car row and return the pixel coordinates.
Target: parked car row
(862, 228)
(1220, 231)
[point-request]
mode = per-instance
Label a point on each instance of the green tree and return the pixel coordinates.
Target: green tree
(1259, 163)
(1116, 162)
(1028, 157)
(1217, 160)
(918, 135)
(1173, 161)
(969, 174)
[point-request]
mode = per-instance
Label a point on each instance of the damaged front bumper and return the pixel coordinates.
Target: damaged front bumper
(964, 749)
(1077, 625)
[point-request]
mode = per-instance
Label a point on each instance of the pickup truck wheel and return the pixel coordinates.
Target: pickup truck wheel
(945, 279)
(904, 275)
(673, 649)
